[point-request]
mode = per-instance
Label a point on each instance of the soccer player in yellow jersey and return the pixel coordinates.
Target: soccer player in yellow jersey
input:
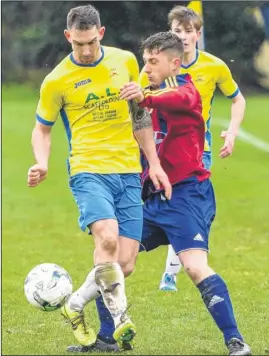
(104, 163)
(208, 72)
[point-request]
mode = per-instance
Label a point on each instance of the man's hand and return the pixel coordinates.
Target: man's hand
(227, 149)
(36, 175)
(132, 91)
(159, 177)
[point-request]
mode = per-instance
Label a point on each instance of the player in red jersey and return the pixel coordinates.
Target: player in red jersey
(184, 221)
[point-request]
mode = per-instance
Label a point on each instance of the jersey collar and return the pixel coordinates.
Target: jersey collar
(94, 64)
(192, 63)
(176, 81)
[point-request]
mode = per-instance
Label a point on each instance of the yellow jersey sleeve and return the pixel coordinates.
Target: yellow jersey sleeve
(226, 82)
(143, 79)
(50, 103)
(133, 68)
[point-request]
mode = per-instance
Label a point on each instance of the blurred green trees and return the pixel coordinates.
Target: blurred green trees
(33, 40)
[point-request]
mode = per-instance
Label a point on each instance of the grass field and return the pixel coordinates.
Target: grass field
(40, 225)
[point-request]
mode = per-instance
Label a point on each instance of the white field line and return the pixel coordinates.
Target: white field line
(244, 135)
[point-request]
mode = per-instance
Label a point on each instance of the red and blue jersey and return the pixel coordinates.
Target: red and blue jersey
(179, 129)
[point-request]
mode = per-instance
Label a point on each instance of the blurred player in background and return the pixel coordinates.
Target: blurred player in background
(208, 72)
(104, 164)
(185, 220)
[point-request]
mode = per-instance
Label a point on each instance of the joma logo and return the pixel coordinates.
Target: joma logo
(82, 82)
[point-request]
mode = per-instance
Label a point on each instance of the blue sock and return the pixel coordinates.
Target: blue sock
(216, 297)
(107, 326)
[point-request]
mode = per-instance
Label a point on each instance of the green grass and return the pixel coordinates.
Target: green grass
(40, 225)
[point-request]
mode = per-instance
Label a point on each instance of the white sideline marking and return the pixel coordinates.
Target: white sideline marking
(244, 135)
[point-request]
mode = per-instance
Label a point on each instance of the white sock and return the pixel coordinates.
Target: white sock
(87, 292)
(173, 265)
(110, 278)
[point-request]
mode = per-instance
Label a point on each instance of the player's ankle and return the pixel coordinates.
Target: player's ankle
(74, 304)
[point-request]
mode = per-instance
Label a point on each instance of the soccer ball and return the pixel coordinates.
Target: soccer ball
(47, 286)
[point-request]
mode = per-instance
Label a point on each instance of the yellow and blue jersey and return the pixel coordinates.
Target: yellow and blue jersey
(207, 72)
(98, 124)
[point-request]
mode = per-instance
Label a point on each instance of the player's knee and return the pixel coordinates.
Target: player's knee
(193, 271)
(198, 272)
(109, 242)
(106, 238)
(195, 268)
(195, 264)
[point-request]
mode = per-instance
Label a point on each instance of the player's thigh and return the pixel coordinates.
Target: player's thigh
(153, 235)
(129, 207)
(188, 216)
(94, 197)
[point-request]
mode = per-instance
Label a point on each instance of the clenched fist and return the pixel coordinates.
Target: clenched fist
(36, 175)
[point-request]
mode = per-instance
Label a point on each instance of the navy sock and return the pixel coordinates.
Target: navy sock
(107, 326)
(216, 297)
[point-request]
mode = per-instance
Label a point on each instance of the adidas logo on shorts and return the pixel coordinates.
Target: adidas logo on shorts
(198, 237)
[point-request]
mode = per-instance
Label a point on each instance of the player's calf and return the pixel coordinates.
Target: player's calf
(128, 254)
(127, 268)
(127, 258)
(216, 298)
(110, 279)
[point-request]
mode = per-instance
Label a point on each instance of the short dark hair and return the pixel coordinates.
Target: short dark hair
(83, 18)
(163, 41)
(185, 16)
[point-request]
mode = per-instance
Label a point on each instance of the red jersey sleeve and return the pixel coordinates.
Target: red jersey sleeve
(184, 97)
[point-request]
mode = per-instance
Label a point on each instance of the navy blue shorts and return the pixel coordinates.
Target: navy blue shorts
(109, 196)
(184, 221)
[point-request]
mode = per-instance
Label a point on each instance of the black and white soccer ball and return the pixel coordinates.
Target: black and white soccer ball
(48, 286)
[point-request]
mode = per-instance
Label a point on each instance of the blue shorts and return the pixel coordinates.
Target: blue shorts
(109, 196)
(184, 221)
